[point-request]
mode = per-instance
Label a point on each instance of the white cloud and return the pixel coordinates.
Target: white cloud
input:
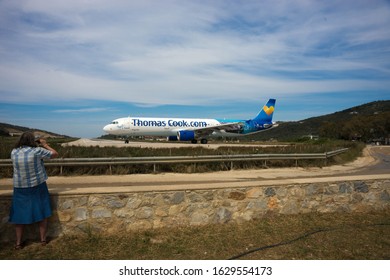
(190, 52)
(82, 110)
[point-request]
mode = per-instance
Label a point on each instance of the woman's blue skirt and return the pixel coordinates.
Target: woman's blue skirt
(30, 205)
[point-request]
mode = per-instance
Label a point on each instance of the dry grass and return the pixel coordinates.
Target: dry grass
(354, 151)
(344, 236)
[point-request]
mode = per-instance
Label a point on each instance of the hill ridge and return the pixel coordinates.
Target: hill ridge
(14, 130)
(373, 114)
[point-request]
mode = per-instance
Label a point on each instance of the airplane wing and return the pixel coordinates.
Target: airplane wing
(232, 127)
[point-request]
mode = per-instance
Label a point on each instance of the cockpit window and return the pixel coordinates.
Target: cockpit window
(114, 122)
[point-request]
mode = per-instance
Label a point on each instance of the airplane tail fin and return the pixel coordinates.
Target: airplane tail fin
(266, 113)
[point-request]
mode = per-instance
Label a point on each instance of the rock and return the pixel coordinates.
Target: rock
(133, 203)
(273, 203)
(68, 204)
(235, 195)
(115, 203)
(199, 218)
(80, 214)
(269, 192)
(145, 213)
(177, 198)
(254, 193)
(360, 187)
(291, 207)
(313, 189)
(222, 215)
(257, 205)
(344, 188)
(385, 196)
(101, 213)
(94, 201)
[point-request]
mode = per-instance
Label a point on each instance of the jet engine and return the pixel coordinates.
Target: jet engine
(185, 135)
(172, 138)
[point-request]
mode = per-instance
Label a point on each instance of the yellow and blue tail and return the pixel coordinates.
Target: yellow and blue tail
(266, 113)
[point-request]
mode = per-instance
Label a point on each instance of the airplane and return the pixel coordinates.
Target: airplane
(186, 129)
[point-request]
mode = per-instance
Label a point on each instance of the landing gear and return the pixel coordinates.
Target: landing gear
(126, 141)
(202, 141)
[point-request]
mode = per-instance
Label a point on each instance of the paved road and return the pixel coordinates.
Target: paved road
(382, 164)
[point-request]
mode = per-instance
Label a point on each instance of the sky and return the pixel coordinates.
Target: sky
(70, 67)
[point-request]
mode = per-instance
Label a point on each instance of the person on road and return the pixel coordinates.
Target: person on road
(31, 200)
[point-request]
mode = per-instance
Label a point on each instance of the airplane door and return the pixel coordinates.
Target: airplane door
(126, 124)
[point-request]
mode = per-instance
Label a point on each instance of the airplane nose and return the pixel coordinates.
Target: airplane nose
(107, 128)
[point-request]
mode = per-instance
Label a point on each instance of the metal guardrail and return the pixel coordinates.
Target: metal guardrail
(110, 161)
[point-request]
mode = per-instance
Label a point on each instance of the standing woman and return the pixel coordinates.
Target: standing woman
(30, 201)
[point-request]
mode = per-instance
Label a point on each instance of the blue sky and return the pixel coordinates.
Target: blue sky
(72, 66)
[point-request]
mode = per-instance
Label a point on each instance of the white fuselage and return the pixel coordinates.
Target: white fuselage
(163, 127)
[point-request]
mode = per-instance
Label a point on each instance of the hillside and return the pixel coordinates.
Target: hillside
(14, 130)
(371, 120)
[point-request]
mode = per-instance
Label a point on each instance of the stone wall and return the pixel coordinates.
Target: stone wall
(121, 212)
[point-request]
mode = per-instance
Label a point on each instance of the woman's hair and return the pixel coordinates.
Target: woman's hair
(26, 139)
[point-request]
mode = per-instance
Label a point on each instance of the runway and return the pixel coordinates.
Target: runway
(83, 142)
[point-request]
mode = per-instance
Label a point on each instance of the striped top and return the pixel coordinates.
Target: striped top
(29, 170)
